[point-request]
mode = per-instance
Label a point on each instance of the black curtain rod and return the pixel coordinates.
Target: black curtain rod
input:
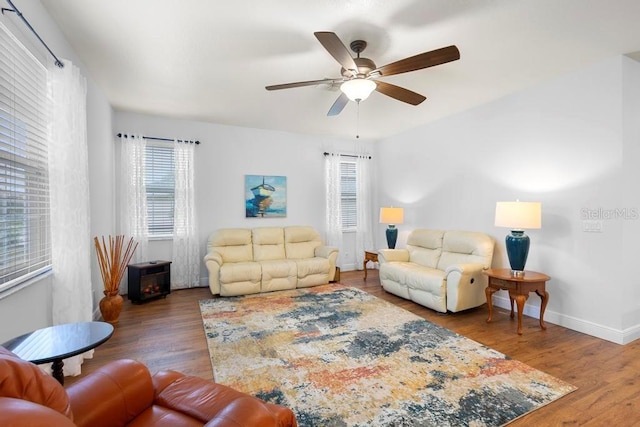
(120, 135)
(348, 155)
(17, 12)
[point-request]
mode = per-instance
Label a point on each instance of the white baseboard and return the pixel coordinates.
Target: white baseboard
(580, 325)
(630, 334)
(348, 267)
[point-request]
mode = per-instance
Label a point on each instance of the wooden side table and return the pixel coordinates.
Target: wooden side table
(519, 288)
(369, 256)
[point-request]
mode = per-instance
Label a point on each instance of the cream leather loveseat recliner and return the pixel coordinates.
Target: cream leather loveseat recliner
(439, 269)
(248, 261)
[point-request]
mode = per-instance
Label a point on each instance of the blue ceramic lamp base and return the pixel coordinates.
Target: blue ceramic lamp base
(392, 236)
(517, 244)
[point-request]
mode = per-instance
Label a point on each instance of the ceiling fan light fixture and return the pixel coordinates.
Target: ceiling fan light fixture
(358, 89)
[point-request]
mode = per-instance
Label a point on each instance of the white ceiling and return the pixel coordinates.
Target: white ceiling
(210, 60)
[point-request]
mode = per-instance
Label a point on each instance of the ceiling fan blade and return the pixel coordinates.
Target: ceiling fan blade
(300, 84)
(337, 49)
(339, 105)
(399, 93)
(418, 62)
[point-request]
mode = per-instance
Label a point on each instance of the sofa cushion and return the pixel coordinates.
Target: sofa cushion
(415, 276)
(466, 247)
(223, 406)
(23, 413)
(301, 242)
(312, 266)
(238, 278)
(240, 271)
(312, 272)
(233, 244)
(268, 243)
(159, 416)
(278, 275)
(20, 379)
(426, 279)
(425, 247)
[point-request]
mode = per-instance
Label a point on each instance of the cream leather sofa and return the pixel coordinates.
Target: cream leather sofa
(248, 261)
(439, 269)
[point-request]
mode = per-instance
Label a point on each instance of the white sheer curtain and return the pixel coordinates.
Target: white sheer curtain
(185, 268)
(69, 185)
(364, 230)
(133, 195)
(333, 216)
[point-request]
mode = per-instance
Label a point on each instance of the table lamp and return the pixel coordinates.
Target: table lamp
(391, 216)
(518, 216)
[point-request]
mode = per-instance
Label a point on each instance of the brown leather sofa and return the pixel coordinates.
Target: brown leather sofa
(124, 393)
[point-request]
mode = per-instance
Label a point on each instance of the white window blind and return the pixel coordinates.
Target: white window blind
(25, 240)
(348, 195)
(160, 184)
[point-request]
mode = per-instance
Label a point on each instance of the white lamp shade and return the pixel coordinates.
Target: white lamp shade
(391, 215)
(358, 89)
(519, 215)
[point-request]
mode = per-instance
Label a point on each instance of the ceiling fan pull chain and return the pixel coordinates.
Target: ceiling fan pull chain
(357, 119)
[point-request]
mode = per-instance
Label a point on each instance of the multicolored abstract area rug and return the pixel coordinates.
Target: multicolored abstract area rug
(341, 357)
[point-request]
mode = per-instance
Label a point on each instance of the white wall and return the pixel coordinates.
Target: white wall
(630, 297)
(226, 154)
(30, 307)
(560, 143)
(101, 176)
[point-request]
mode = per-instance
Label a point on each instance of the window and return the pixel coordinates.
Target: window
(25, 241)
(160, 185)
(348, 195)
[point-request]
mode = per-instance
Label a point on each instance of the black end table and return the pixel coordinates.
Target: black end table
(55, 343)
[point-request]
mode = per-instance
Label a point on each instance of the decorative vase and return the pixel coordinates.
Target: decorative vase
(111, 306)
(392, 236)
(517, 245)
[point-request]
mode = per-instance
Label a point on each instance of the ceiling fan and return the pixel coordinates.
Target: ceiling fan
(359, 75)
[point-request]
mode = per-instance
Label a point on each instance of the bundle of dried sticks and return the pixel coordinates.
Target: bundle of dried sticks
(113, 261)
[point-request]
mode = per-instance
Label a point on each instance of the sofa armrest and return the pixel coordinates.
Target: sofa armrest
(331, 253)
(19, 412)
(213, 256)
(163, 379)
(242, 412)
(465, 268)
(216, 404)
(393, 255)
(113, 395)
(213, 261)
(326, 251)
(465, 286)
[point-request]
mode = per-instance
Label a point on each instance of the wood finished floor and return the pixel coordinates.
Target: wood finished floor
(168, 334)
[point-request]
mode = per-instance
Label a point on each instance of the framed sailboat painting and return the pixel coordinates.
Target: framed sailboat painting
(265, 196)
